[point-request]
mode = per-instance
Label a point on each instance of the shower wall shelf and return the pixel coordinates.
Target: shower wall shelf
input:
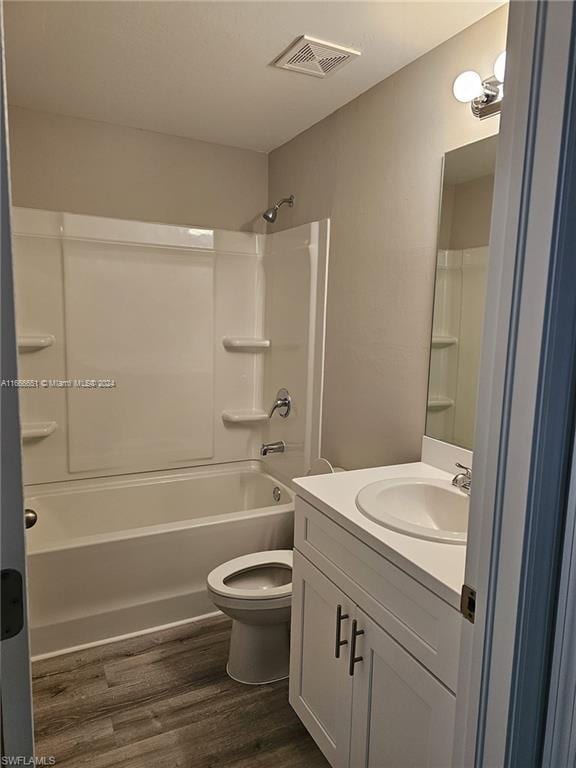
(444, 341)
(440, 403)
(244, 416)
(242, 344)
(34, 343)
(37, 430)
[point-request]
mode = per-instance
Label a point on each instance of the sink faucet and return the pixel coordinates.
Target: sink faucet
(278, 447)
(463, 479)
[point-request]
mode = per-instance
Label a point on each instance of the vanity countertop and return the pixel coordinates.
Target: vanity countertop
(438, 566)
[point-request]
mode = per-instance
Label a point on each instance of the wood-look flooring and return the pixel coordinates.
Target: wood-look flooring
(163, 700)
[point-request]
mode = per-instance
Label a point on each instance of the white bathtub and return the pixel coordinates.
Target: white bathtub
(112, 557)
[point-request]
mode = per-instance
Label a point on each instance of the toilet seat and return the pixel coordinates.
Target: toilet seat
(218, 577)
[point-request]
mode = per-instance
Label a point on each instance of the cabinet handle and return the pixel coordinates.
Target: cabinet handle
(339, 619)
(353, 658)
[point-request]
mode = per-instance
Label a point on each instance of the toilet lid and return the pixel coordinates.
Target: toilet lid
(227, 571)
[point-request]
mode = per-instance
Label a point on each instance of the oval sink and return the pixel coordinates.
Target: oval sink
(425, 508)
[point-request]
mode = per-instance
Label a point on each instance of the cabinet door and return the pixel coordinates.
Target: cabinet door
(403, 717)
(320, 686)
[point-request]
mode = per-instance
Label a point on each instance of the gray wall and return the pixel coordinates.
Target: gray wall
(84, 166)
(374, 168)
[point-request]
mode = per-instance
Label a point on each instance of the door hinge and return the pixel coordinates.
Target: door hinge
(468, 603)
(12, 606)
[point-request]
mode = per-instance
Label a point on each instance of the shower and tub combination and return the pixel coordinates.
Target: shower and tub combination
(162, 351)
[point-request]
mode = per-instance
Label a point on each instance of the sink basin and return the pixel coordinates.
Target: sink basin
(425, 508)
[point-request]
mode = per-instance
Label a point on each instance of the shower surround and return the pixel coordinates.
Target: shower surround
(157, 349)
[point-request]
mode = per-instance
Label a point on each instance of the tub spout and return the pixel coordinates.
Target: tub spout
(277, 447)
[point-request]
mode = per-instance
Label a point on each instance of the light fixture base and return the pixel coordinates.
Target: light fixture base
(490, 102)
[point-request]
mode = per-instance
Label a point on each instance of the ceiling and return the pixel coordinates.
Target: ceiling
(202, 69)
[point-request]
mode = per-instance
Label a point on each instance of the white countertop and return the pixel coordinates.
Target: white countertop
(438, 566)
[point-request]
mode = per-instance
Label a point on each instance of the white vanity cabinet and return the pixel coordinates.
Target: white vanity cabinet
(402, 716)
(369, 699)
(320, 686)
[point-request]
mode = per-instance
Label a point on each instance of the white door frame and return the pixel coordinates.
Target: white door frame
(504, 508)
(16, 703)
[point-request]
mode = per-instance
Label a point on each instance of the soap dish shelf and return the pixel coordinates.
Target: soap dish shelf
(245, 344)
(37, 430)
(35, 342)
(440, 403)
(244, 416)
(438, 342)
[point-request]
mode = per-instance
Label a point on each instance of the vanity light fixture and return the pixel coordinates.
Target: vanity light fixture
(500, 67)
(484, 96)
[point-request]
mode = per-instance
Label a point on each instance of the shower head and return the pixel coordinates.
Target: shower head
(272, 213)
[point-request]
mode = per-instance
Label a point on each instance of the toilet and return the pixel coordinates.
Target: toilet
(256, 592)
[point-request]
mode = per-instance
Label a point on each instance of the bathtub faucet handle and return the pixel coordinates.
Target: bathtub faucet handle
(283, 403)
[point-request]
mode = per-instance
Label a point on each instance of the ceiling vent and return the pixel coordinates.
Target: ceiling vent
(315, 57)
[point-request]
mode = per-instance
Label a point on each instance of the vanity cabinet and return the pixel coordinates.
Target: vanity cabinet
(367, 699)
(402, 717)
(320, 686)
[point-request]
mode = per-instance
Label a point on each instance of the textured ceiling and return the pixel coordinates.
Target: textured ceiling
(202, 69)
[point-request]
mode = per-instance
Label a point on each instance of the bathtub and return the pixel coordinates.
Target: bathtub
(108, 558)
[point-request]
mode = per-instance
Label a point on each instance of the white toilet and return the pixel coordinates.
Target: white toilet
(256, 592)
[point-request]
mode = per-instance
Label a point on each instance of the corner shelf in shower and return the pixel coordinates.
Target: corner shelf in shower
(244, 344)
(34, 343)
(252, 416)
(440, 403)
(438, 342)
(37, 430)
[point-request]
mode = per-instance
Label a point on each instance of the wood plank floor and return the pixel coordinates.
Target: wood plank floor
(164, 700)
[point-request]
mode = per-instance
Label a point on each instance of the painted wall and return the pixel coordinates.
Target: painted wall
(83, 166)
(374, 168)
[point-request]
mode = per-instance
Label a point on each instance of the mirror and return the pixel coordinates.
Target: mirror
(460, 291)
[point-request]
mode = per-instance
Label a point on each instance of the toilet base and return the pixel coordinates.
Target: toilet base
(260, 682)
(259, 653)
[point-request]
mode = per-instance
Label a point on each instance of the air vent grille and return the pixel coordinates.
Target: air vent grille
(315, 57)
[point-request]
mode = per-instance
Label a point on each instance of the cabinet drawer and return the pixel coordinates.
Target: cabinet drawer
(418, 619)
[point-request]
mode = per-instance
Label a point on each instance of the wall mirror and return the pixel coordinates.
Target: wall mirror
(460, 291)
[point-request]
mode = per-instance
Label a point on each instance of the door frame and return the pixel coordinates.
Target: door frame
(560, 737)
(15, 694)
(525, 420)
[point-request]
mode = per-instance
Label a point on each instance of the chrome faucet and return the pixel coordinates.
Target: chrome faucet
(463, 479)
(278, 447)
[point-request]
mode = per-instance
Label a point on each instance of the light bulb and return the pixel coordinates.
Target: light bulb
(500, 67)
(467, 86)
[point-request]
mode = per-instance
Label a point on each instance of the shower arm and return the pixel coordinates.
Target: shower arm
(289, 200)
